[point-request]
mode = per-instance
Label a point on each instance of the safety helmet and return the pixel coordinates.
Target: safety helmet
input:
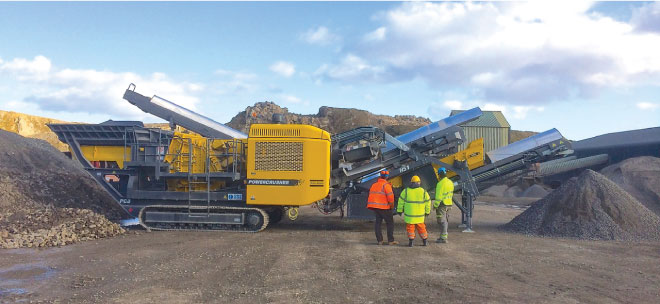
(442, 170)
(384, 173)
(415, 179)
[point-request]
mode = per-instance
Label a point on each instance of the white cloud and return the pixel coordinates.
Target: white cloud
(291, 99)
(18, 106)
(236, 75)
(494, 107)
(437, 111)
(320, 36)
(25, 69)
(486, 78)
(647, 105)
(234, 82)
(352, 69)
(377, 35)
(520, 112)
(514, 52)
(453, 104)
(283, 68)
(92, 91)
(647, 18)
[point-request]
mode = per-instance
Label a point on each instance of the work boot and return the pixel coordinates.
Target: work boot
(425, 242)
(410, 243)
(441, 240)
(381, 242)
(393, 243)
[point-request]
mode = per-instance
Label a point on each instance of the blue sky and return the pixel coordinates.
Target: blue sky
(584, 68)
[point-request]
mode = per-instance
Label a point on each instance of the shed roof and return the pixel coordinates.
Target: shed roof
(491, 119)
(625, 138)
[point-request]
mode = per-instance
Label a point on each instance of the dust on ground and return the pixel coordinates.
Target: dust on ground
(323, 259)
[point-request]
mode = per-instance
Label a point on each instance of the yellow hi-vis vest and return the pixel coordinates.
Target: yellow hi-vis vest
(444, 191)
(415, 203)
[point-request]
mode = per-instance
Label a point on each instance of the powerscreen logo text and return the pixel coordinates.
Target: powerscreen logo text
(272, 182)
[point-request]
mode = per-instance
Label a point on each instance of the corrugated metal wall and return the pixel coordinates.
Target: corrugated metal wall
(493, 137)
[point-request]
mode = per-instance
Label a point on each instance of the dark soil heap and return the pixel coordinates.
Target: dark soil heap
(589, 207)
(639, 176)
(47, 199)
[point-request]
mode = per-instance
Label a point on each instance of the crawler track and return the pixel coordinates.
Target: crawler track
(254, 219)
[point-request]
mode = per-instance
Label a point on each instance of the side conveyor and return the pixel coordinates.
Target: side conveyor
(178, 115)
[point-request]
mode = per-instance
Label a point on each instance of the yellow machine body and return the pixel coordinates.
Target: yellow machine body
(106, 154)
(197, 154)
(474, 154)
(287, 165)
(188, 153)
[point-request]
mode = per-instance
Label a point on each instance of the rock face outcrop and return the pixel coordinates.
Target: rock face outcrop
(515, 135)
(31, 126)
(333, 120)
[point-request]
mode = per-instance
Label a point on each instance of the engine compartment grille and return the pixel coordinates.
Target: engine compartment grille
(278, 156)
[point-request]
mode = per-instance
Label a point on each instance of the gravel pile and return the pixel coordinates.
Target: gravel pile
(497, 190)
(589, 206)
(49, 226)
(639, 176)
(47, 199)
(517, 190)
(513, 191)
(534, 191)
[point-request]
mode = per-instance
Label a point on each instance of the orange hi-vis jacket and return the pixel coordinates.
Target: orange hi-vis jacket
(381, 195)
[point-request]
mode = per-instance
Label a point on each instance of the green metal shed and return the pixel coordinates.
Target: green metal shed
(492, 126)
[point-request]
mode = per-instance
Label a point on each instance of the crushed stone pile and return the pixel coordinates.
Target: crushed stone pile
(513, 191)
(497, 190)
(517, 189)
(589, 206)
(47, 199)
(639, 176)
(534, 191)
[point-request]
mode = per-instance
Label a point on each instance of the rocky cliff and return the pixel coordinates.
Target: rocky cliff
(515, 136)
(333, 120)
(31, 126)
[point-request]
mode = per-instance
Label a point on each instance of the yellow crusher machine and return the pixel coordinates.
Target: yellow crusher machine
(204, 175)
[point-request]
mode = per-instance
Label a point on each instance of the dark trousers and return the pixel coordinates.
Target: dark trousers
(386, 215)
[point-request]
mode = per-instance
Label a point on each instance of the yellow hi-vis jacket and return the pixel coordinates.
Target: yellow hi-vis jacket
(444, 191)
(415, 203)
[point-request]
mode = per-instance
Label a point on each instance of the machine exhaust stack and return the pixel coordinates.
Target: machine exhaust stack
(178, 115)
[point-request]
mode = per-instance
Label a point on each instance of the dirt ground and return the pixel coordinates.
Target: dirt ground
(323, 259)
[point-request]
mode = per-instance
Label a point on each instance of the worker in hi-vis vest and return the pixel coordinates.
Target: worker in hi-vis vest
(381, 201)
(444, 191)
(415, 204)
